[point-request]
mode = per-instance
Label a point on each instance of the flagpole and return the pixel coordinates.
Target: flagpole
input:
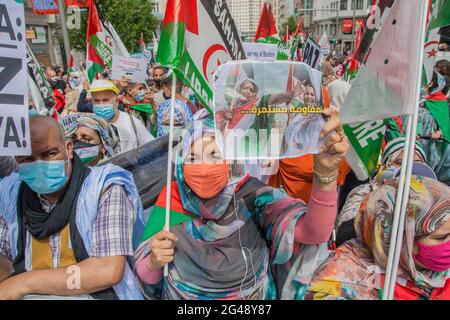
(169, 161)
(396, 245)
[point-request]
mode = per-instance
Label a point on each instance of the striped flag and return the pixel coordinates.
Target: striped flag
(102, 43)
(197, 36)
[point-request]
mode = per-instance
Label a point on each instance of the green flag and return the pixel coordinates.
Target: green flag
(366, 140)
(439, 14)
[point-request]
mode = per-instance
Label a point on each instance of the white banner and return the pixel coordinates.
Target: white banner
(14, 122)
(260, 51)
(312, 54)
(70, 121)
(135, 68)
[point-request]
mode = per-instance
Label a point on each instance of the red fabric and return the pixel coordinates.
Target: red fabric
(439, 96)
(60, 101)
(175, 199)
(184, 11)
(266, 24)
(411, 292)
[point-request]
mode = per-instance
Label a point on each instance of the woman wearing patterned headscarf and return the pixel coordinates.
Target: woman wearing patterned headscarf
(231, 235)
(94, 140)
(357, 269)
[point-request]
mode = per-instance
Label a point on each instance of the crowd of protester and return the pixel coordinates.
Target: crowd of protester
(310, 230)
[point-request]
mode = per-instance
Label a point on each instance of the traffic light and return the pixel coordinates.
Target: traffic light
(296, 13)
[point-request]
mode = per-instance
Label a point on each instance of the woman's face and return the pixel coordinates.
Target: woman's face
(248, 92)
(300, 91)
(310, 96)
(90, 136)
(439, 236)
(205, 150)
(398, 161)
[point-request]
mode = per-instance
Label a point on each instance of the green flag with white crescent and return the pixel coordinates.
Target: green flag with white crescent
(366, 140)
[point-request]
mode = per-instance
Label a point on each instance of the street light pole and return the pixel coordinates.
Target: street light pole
(62, 17)
(353, 25)
(337, 26)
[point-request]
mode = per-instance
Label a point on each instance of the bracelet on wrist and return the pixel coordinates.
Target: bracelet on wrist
(325, 179)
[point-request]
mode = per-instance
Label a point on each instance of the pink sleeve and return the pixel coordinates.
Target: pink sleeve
(146, 275)
(317, 224)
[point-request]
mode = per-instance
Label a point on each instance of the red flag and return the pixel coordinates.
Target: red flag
(267, 30)
(354, 64)
(142, 42)
(286, 35)
(299, 27)
(70, 64)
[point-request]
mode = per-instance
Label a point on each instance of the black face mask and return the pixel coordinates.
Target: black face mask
(158, 82)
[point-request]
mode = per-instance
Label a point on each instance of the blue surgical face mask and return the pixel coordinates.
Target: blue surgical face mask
(105, 111)
(140, 96)
(74, 82)
(44, 177)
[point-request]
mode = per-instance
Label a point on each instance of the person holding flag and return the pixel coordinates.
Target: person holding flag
(356, 271)
(132, 132)
(434, 120)
(231, 235)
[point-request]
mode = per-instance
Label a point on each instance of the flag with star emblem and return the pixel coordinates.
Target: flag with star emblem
(197, 36)
(439, 16)
(385, 86)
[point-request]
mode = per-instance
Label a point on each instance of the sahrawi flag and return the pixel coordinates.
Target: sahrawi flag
(197, 36)
(439, 16)
(102, 43)
(385, 86)
(267, 30)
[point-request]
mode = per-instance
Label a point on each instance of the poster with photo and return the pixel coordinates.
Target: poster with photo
(267, 110)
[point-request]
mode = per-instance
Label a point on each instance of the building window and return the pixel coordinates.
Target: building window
(333, 29)
(344, 4)
(359, 4)
(155, 7)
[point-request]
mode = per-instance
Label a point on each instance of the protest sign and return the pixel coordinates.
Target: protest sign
(135, 68)
(14, 123)
(276, 113)
(69, 122)
(312, 54)
(324, 45)
(260, 51)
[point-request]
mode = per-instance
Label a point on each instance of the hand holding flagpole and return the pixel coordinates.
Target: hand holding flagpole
(169, 162)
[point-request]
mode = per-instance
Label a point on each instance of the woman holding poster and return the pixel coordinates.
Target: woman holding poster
(232, 236)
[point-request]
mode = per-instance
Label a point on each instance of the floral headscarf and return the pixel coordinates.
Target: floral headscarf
(428, 209)
(109, 138)
(211, 209)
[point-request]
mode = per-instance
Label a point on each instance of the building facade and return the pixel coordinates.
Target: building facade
(296, 9)
(246, 15)
(340, 19)
(159, 8)
(44, 36)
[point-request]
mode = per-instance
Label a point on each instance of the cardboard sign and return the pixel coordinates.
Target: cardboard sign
(14, 123)
(69, 122)
(134, 68)
(267, 110)
(312, 54)
(260, 51)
